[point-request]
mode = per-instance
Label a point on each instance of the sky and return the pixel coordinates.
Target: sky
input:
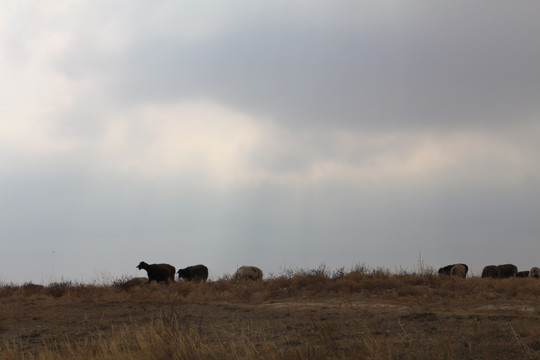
(282, 134)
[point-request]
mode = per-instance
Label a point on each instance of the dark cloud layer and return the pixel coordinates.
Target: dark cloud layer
(431, 65)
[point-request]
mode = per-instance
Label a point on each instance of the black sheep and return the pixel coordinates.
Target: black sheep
(491, 271)
(507, 270)
(445, 270)
(194, 273)
(158, 272)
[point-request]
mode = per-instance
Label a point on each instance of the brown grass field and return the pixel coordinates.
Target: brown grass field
(314, 314)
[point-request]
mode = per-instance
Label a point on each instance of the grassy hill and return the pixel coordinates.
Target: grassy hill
(304, 314)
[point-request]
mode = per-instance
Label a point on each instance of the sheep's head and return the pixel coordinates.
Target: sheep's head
(142, 265)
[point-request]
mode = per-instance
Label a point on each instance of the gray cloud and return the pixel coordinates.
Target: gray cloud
(434, 65)
(284, 134)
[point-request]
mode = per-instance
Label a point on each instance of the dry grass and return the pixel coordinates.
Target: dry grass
(302, 314)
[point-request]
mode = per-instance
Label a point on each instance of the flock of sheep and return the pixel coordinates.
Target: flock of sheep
(197, 273)
(491, 271)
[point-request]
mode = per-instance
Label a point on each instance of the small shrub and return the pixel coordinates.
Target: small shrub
(338, 274)
(127, 283)
(360, 269)
(57, 290)
(32, 289)
(7, 290)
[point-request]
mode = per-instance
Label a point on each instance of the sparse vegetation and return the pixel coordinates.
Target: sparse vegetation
(317, 313)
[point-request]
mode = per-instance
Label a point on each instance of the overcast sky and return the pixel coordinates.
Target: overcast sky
(282, 134)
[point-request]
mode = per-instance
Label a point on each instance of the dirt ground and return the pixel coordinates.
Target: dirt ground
(406, 328)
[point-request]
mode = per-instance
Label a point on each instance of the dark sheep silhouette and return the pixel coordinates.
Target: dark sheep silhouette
(455, 270)
(158, 272)
(445, 270)
(248, 273)
(507, 270)
(535, 272)
(522, 274)
(491, 271)
(197, 273)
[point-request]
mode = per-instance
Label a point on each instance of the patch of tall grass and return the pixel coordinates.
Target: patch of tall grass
(298, 283)
(169, 336)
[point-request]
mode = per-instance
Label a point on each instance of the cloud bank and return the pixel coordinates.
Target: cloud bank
(283, 134)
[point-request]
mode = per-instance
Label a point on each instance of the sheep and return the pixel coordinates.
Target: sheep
(507, 270)
(197, 273)
(523, 274)
(248, 273)
(459, 270)
(491, 271)
(455, 270)
(158, 272)
(445, 270)
(534, 272)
